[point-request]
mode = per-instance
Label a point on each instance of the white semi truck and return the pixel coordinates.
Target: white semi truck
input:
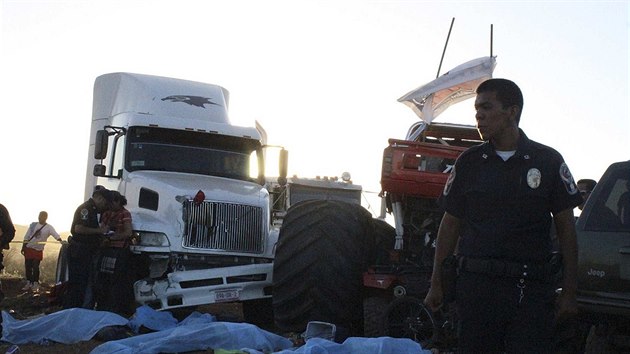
(195, 187)
(205, 218)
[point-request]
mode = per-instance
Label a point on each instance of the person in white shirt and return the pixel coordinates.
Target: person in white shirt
(33, 249)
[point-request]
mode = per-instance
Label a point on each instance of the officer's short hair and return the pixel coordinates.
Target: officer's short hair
(508, 93)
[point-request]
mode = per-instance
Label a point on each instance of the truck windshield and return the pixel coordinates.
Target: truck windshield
(160, 149)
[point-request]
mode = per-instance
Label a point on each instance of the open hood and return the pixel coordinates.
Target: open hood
(459, 84)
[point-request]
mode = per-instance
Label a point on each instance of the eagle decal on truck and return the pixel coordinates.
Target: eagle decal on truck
(191, 100)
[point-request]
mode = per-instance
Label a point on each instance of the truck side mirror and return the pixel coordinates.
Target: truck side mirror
(283, 164)
(99, 170)
(100, 145)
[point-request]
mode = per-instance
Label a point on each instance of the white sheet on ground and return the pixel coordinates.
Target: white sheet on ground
(198, 336)
(66, 326)
(196, 332)
(353, 345)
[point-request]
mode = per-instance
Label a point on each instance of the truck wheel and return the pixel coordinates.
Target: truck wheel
(407, 317)
(374, 308)
(58, 291)
(323, 249)
(384, 240)
(570, 335)
(258, 312)
(61, 271)
(597, 339)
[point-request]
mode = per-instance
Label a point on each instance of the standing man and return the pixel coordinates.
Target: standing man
(499, 201)
(33, 249)
(7, 232)
(87, 236)
(585, 186)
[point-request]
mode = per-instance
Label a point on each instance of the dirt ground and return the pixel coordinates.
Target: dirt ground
(25, 304)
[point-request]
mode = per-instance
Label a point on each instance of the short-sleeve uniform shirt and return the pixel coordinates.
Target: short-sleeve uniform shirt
(506, 206)
(86, 215)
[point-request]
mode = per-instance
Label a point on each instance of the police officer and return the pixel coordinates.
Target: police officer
(7, 232)
(87, 236)
(499, 201)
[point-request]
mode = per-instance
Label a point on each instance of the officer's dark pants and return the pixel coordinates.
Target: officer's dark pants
(492, 320)
(80, 266)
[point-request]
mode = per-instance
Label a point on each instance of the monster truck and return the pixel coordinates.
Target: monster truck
(335, 263)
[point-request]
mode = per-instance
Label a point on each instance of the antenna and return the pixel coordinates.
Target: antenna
(445, 44)
(490, 40)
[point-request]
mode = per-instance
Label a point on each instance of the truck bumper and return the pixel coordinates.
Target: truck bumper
(593, 304)
(206, 286)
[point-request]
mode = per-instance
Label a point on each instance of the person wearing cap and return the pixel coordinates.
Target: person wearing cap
(33, 249)
(87, 236)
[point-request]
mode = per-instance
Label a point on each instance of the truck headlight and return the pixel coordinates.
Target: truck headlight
(153, 239)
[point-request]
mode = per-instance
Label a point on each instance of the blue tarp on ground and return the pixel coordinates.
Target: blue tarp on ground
(353, 345)
(198, 336)
(197, 332)
(66, 326)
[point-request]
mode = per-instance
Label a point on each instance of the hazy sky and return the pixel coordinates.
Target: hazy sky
(323, 77)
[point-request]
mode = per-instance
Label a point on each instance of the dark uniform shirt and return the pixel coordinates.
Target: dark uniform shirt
(86, 215)
(506, 206)
(6, 225)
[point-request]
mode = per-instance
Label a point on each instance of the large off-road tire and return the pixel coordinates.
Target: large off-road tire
(374, 308)
(323, 249)
(384, 240)
(259, 312)
(375, 304)
(598, 340)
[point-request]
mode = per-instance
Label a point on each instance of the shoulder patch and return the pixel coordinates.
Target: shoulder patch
(567, 179)
(84, 214)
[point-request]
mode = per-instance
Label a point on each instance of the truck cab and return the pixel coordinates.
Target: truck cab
(195, 188)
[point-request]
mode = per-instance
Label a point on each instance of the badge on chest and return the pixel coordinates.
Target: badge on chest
(533, 178)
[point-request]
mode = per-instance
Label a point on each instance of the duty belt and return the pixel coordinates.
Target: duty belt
(534, 271)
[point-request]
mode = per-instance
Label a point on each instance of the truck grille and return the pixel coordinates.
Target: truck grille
(223, 226)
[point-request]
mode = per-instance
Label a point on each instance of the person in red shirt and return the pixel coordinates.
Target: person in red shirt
(114, 289)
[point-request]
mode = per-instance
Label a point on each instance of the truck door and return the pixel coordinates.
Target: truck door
(604, 235)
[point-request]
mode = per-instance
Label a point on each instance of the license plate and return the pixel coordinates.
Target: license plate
(225, 295)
